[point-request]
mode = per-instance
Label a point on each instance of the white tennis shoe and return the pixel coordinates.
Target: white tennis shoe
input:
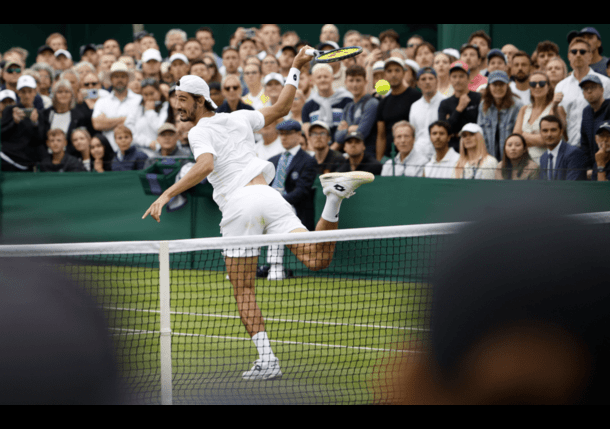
(344, 184)
(263, 370)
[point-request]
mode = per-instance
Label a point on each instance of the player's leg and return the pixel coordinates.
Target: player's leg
(336, 187)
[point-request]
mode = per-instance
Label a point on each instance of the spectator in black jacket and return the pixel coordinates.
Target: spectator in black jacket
(59, 160)
(359, 159)
(463, 106)
(597, 112)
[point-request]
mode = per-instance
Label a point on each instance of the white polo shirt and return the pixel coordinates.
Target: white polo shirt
(574, 102)
(411, 166)
(229, 138)
(112, 107)
(422, 114)
(444, 168)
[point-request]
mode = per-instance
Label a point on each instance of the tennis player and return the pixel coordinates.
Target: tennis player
(223, 147)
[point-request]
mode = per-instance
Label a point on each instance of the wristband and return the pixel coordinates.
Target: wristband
(601, 169)
(293, 77)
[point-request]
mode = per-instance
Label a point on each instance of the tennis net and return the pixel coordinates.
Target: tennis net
(179, 338)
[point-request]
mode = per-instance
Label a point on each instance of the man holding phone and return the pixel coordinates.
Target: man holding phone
(22, 146)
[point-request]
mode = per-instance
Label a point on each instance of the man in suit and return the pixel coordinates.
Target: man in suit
(561, 161)
(295, 173)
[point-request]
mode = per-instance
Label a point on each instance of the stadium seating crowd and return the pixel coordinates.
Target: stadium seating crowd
(474, 111)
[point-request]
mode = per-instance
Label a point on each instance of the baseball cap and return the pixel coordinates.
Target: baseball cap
(378, 66)
(195, 85)
(273, 76)
(396, 60)
(375, 41)
(87, 47)
(590, 78)
(354, 135)
(425, 70)
(452, 51)
(44, 48)
(151, 54)
(167, 126)
(319, 123)
(459, 65)
(327, 44)
(63, 52)
(141, 34)
(7, 93)
(471, 128)
(26, 81)
(289, 47)
(289, 125)
(498, 76)
(496, 53)
(11, 63)
(119, 66)
(413, 65)
(178, 56)
(603, 126)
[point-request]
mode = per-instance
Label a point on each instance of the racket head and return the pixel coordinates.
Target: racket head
(338, 54)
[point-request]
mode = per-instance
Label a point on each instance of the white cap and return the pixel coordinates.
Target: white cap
(273, 76)
(119, 66)
(472, 128)
(26, 81)
(375, 41)
(195, 85)
(151, 54)
(63, 52)
(378, 66)
(7, 93)
(178, 56)
(396, 60)
(412, 64)
(453, 52)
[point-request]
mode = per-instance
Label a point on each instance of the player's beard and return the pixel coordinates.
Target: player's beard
(191, 117)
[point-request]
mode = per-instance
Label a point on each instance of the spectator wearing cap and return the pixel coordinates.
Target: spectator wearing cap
(425, 110)
(167, 139)
(411, 70)
(393, 107)
(545, 52)
(601, 168)
(441, 65)
(495, 61)
(63, 61)
(179, 66)
(22, 144)
(474, 162)
(232, 90)
(7, 98)
(543, 103)
(560, 161)
(358, 158)
(409, 161)
(360, 114)
(572, 99)
(520, 71)
(471, 55)
(498, 113)
(151, 64)
(598, 62)
(377, 73)
(463, 106)
(149, 116)
(596, 113)
(286, 57)
(46, 55)
(58, 160)
(326, 103)
(328, 160)
(116, 107)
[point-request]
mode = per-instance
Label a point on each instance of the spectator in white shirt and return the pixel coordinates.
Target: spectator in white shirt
(441, 165)
(475, 162)
(521, 67)
(149, 116)
(573, 101)
(115, 108)
(409, 161)
(425, 110)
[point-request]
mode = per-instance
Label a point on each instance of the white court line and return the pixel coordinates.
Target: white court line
(313, 322)
(222, 337)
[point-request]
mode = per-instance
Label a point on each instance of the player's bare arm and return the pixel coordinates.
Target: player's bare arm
(202, 168)
(282, 107)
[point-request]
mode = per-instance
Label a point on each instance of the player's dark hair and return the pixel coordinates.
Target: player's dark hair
(208, 106)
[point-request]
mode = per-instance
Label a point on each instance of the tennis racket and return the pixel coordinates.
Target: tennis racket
(334, 54)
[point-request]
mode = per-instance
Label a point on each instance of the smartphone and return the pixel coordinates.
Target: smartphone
(385, 55)
(91, 94)
(28, 111)
(250, 33)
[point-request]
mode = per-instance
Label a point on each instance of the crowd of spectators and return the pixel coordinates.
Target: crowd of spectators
(469, 112)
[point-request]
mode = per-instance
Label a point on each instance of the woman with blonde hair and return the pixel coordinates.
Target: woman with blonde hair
(474, 161)
(442, 62)
(557, 70)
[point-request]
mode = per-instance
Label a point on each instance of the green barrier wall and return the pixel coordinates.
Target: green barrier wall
(86, 207)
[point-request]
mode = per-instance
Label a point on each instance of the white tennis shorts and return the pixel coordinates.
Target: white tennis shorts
(256, 210)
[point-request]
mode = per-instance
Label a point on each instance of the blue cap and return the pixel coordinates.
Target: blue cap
(425, 70)
(590, 78)
(603, 126)
(498, 76)
(289, 125)
(496, 53)
(591, 30)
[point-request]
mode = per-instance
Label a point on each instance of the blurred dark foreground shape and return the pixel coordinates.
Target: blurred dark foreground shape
(520, 312)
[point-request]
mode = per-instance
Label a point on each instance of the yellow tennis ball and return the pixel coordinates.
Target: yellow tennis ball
(382, 87)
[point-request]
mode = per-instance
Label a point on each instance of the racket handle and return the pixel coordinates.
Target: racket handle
(310, 52)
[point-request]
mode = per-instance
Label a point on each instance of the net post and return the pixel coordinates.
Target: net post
(165, 338)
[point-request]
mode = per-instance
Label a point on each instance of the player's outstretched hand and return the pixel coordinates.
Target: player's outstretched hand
(302, 58)
(156, 208)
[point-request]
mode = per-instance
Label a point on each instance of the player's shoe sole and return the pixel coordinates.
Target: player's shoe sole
(263, 371)
(344, 184)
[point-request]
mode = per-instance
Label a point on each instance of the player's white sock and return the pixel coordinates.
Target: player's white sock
(331, 208)
(261, 341)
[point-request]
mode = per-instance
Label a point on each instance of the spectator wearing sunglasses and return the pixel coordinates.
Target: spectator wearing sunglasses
(573, 100)
(598, 62)
(232, 90)
(11, 72)
(542, 103)
(149, 116)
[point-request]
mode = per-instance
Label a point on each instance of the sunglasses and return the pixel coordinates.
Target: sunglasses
(90, 83)
(229, 88)
(542, 84)
(148, 82)
(579, 51)
(14, 70)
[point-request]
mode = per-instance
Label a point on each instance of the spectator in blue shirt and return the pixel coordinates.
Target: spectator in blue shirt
(359, 114)
(128, 157)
